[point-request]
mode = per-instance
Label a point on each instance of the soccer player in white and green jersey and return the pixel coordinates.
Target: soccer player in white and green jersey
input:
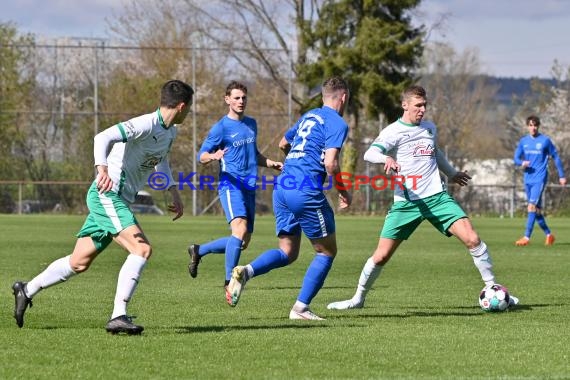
(126, 154)
(408, 147)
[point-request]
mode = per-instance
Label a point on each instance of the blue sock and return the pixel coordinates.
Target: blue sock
(542, 223)
(530, 224)
(315, 278)
(268, 260)
(233, 252)
(215, 246)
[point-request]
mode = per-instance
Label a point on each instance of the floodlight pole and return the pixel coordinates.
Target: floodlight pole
(96, 93)
(194, 166)
(290, 91)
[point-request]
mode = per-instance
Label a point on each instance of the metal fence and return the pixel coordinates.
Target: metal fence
(69, 198)
(74, 78)
(74, 75)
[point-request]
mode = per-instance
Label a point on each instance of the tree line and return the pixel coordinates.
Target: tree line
(53, 99)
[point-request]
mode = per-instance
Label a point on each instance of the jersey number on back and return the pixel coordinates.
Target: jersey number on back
(303, 131)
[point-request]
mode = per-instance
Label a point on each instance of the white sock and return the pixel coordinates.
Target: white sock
(127, 283)
(369, 274)
(300, 306)
(58, 271)
(483, 262)
(249, 271)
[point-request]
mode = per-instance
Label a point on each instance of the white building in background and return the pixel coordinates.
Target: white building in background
(491, 172)
(494, 187)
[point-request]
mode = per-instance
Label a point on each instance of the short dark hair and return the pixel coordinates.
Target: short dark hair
(333, 85)
(534, 119)
(235, 85)
(175, 92)
(414, 90)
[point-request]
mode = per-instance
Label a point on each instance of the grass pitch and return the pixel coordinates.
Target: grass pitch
(421, 320)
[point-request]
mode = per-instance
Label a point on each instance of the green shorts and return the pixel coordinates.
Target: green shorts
(108, 215)
(441, 210)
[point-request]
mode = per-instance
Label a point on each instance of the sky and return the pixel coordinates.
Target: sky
(514, 38)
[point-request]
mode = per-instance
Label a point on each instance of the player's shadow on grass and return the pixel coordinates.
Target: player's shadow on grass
(210, 329)
(404, 315)
(470, 311)
(519, 307)
(296, 287)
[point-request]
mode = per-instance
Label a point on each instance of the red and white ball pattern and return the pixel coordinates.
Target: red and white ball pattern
(494, 298)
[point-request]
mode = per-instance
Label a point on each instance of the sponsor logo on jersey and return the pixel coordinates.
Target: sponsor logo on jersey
(423, 150)
(151, 162)
(295, 155)
(249, 140)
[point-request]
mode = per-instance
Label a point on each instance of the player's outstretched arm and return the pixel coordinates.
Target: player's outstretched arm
(101, 146)
(207, 157)
(176, 206)
(461, 178)
(268, 163)
(374, 155)
(104, 182)
(333, 168)
(284, 145)
(444, 165)
(558, 163)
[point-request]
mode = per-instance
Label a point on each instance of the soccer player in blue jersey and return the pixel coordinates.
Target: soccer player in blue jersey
(232, 142)
(532, 154)
(125, 155)
(313, 145)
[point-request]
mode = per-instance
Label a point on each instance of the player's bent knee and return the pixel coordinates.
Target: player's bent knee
(79, 267)
(144, 251)
(245, 241)
(331, 254)
(147, 253)
(326, 251)
(472, 241)
(292, 254)
(380, 258)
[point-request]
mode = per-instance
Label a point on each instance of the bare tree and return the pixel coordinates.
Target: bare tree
(461, 104)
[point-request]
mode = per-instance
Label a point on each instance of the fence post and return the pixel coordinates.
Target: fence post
(20, 198)
(368, 187)
(513, 193)
(194, 127)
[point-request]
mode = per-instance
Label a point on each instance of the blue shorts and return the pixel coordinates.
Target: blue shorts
(297, 211)
(238, 203)
(534, 193)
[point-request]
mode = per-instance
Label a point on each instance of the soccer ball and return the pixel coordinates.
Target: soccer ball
(494, 298)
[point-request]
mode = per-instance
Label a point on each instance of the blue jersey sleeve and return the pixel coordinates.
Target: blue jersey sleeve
(554, 154)
(254, 128)
(335, 136)
(290, 134)
(518, 153)
(213, 141)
